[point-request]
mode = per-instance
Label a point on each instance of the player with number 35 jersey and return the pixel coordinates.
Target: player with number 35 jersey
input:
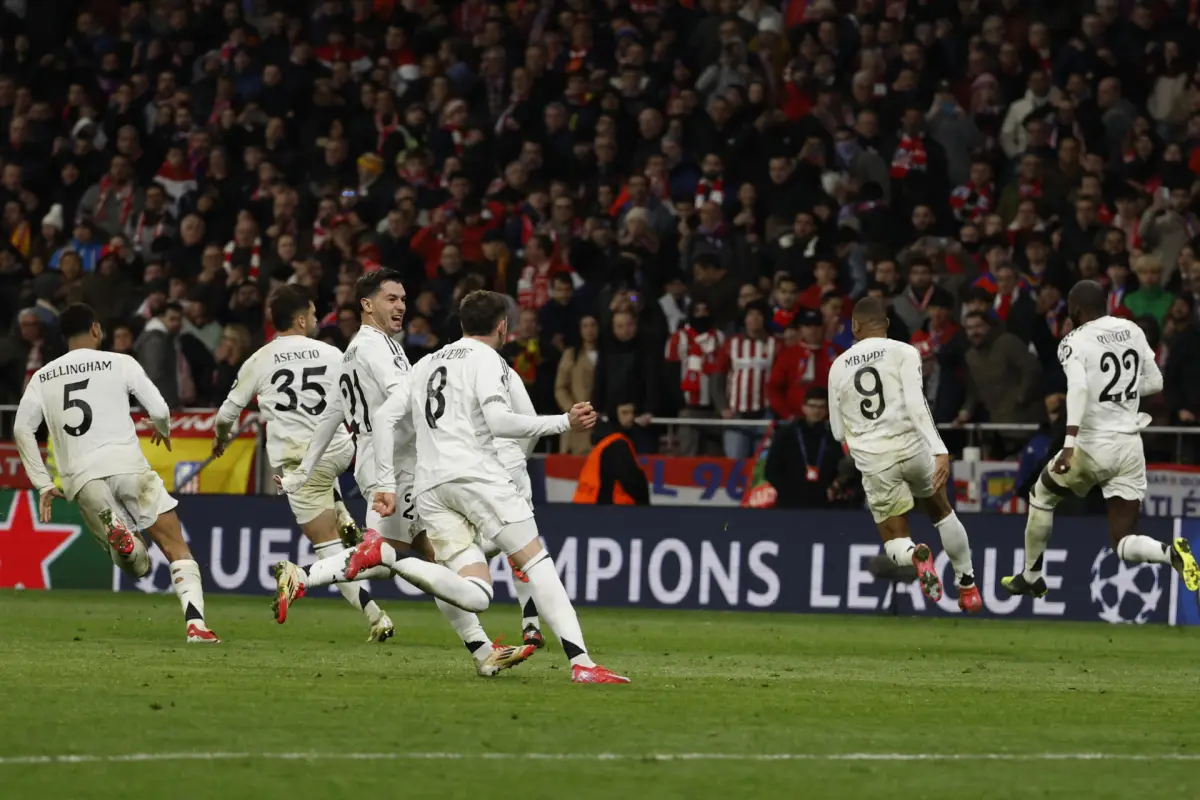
(877, 407)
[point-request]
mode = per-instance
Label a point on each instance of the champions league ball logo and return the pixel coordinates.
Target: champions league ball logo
(1124, 592)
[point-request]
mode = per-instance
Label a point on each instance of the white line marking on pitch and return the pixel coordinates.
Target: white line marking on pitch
(757, 757)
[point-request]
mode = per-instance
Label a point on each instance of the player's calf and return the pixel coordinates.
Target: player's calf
(185, 576)
(127, 549)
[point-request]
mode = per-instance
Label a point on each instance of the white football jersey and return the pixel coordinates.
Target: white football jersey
(373, 368)
(84, 398)
(1112, 359)
(294, 377)
(877, 404)
(455, 442)
(513, 452)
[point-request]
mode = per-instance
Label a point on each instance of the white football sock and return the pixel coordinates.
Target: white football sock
(185, 579)
(1038, 526)
(900, 551)
(1138, 549)
(529, 614)
(957, 547)
(356, 592)
(555, 605)
(469, 594)
(467, 626)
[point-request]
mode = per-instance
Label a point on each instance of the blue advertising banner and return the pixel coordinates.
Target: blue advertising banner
(735, 559)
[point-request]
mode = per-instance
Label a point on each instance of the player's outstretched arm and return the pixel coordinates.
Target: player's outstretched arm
(1077, 400)
(29, 419)
(395, 408)
(139, 384)
(239, 397)
(327, 428)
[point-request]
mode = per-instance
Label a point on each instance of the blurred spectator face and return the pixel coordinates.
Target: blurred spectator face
(122, 341)
(286, 249)
(815, 411)
(1039, 84)
(624, 326)
(348, 323)
(1030, 169)
(1180, 313)
(1118, 275)
(638, 189)
(825, 273)
(1027, 217)
(811, 335)
(245, 232)
(1114, 242)
(451, 260)
(1048, 298)
(780, 170)
(246, 296)
(712, 166)
(626, 412)
(562, 290)
(831, 309)
(31, 328)
(83, 233)
(785, 293)
(938, 315)
(71, 267)
(981, 173)
(923, 220)
(804, 226)
(527, 325)
(174, 322)
(977, 330)
(920, 276)
(1149, 272)
(563, 210)
(534, 253)
(1180, 200)
(886, 272)
(589, 330)
(191, 231)
(748, 293)
(1036, 252)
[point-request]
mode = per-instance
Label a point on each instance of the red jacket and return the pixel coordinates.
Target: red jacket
(798, 369)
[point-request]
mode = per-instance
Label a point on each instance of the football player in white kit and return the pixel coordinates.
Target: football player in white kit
(1110, 367)
(373, 369)
(877, 406)
(460, 407)
(293, 376)
(83, 397)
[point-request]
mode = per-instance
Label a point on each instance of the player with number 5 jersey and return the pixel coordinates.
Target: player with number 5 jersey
(877, 407)
(1110, 367)
(83, 397)
(294, 377)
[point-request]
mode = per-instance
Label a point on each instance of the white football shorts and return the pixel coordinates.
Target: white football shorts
(137, 498)
(890, 493)
(456, 515)
(1117, 466)
(316, 496)
(401, 526)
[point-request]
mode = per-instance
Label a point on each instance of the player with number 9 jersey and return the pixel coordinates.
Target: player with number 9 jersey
(877, 406)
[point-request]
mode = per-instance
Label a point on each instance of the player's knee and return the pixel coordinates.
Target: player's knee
(520, 541)
(1046, 493)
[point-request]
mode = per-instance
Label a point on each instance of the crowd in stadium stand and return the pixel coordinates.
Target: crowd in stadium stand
(682, 198)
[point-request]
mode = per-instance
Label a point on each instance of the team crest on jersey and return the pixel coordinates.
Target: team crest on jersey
(401, 363)
(1064, 352)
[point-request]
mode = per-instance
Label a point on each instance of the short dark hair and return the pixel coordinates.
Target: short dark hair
(172, 306)
(564, 277)
(818, 393)
(977, 315)
(481, 311)
(367, 285)
(871, 311)
(289, 301)
(76, 319)
(1089, 297)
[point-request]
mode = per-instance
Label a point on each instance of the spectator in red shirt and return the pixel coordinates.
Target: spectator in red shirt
(801, 366)
(533, 287)
(825, 272)
(743, 366)
(695, 347)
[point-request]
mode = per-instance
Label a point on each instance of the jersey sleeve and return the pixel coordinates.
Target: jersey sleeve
(491, 379)
(391, 371)
(240, 395)
(148, 396)
(836, 425)
(327, 428)
(1074, 366)
(397, 406)
(521, 404)
(29, 419)
(913, 389)
(1151, 379)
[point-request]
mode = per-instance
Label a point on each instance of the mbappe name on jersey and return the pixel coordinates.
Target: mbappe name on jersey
(854, 361)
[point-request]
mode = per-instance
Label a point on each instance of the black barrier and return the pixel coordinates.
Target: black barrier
(735, 559)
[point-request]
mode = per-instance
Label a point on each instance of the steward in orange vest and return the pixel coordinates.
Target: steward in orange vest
(611, 475)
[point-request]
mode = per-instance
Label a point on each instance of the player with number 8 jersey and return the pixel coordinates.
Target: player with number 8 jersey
(877, 406)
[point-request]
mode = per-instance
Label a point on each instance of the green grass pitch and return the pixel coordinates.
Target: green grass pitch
(108, 675)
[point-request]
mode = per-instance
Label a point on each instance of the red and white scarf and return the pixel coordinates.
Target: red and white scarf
(158, 229)
(255, 258)
(1004, 302)
(1031, 190)
(910, 156)
(710, 192)
(125, 196)
(1116, 300)
(320, 234)
(456, 137)
(972, 203)
(576, 59)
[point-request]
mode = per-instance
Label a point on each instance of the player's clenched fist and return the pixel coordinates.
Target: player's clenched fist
(384, 503)
(582, 417)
